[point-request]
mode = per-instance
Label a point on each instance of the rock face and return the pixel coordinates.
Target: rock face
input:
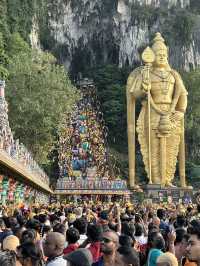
(87, 33)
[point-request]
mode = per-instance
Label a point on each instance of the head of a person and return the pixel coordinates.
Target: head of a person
(60, 228)
(17, 231)
(153, 227)
(167, 259)
(80, 257)
(8, 258)
(54, 219)
(12, 222)
(128, 229)
(193, 248)
(156, 221)
(161, 213)
(21, 220)
(42, 218)
(81, 225)
(181, 242)
(34, 224)
(139, 231)
(10, 243)
(94, 232)
(28, 236)
(29, 254)
(78, 212)
(180, 221)
(54, 244)
(109, 242)
(72, 235)
(156, 240)
(125, 244)
(104, 217)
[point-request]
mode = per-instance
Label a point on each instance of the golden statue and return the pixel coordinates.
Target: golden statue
(160, 125)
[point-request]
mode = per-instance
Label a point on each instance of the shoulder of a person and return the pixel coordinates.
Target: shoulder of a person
(156, 251)
(59, 262)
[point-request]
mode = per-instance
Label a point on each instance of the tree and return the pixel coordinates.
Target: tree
(192, 82)
(39, 93)
(3, 59)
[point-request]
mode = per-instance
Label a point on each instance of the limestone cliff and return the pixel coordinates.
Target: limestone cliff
(87, 33)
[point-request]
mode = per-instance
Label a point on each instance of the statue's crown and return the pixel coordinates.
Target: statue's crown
(159, 43)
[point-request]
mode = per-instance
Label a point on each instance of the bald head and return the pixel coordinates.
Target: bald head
(54, 244)
(156, 221)
(57, 238)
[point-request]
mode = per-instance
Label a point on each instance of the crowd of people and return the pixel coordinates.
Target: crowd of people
(83, 154)
(99, 234)
(16, 150)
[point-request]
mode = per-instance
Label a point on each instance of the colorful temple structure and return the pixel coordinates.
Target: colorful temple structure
(84, 162)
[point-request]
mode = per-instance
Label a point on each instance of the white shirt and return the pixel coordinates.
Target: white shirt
(82, 239)
(142, 240)
(59, 261)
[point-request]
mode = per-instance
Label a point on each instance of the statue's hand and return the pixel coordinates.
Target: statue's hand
(176, 116)
(146, 86)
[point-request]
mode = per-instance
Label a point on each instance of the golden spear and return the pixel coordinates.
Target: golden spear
(148, 58)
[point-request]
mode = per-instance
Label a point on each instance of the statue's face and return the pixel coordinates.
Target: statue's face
(161, 58)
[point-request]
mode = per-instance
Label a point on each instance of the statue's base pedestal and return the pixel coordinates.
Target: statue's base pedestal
(155, 193)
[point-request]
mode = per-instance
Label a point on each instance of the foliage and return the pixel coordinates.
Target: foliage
(16, 45)
(3, 59)
(192, 82)
(110, 82)
(178, 26)
(39, 92)
(20, 16)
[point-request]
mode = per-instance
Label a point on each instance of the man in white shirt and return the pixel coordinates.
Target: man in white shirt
(53, 249)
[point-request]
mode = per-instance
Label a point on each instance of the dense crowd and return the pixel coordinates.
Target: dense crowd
(83, 154)
(16, 150)
(97, 234)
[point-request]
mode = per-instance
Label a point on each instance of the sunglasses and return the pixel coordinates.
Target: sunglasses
(106, 240)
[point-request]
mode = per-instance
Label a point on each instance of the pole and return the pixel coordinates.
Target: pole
(149, 125)
(131, 137)
(163, 159)
(148, 58)
(182, 157)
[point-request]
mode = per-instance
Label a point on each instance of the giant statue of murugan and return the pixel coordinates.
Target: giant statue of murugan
(160, 125)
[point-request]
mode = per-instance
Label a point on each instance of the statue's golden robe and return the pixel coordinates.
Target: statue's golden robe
(169, 101)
